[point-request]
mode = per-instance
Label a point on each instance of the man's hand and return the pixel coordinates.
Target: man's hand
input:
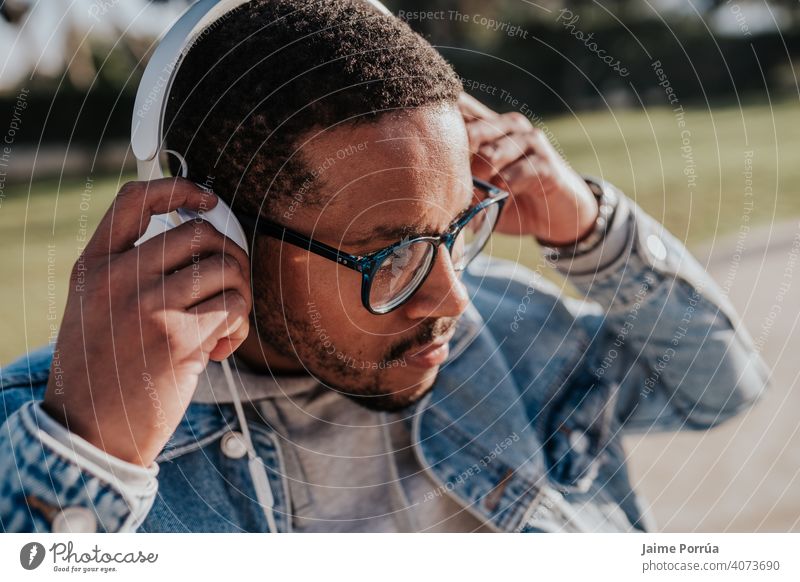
(141, 323)
(549, 200)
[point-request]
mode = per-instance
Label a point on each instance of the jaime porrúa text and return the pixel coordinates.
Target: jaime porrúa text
(679, 549)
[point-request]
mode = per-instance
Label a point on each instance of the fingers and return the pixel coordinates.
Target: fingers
(205, 279)
(130, 213)
(222, 323)
(529, 170)
(482, 131)
(181, 246)
(472, 109)
(493, 157)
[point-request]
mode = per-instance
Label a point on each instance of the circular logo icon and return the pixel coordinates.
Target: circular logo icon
(31, 555)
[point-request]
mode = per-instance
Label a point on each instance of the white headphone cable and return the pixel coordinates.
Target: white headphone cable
(255, 464)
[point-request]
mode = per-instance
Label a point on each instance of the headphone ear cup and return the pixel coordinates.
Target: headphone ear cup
(222, 218)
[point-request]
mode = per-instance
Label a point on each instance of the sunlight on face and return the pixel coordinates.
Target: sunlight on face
(401, 176)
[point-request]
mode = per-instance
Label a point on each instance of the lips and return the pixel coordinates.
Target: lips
(430, 354)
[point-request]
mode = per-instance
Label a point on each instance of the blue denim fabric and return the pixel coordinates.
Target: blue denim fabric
(523, 426)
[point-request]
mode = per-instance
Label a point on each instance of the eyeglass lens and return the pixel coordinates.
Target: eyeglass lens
(403, 271)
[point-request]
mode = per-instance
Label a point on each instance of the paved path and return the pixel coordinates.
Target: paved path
(745, 474)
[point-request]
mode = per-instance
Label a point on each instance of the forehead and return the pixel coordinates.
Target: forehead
(409, 169)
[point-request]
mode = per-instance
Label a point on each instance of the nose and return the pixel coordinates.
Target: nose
(442, 294)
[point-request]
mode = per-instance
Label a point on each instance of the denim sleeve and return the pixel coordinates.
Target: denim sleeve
(50, 474)
(670, 350)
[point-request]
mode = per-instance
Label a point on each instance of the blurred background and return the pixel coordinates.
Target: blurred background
(690, 106)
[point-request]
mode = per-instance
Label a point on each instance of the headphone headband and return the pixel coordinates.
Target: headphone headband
(150, 108)
(154, 88)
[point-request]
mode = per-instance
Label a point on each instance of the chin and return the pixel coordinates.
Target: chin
(418, 379)
(409, 390)
(414, 387)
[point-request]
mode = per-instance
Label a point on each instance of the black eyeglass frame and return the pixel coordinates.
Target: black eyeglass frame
(368, 264)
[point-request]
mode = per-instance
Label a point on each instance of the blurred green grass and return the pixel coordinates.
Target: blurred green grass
(40, 224)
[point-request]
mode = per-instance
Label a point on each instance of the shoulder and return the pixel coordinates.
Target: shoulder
(501, 286)
(521, 307)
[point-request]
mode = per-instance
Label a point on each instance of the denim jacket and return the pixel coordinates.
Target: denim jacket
(523, 426)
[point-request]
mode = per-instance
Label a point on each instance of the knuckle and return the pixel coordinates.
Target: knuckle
(229, 262)
(176, 338)
(545, 174)
(98, 285)
(206, 231)
(129, 189)
(478, 128)
(486, 153)
(235, 301)
(519, 120)
(169, 331)
(234, 298)
(532, 140)
(151, 303)
(213, 264)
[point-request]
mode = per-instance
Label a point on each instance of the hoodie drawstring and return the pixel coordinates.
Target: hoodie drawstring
(255, 464)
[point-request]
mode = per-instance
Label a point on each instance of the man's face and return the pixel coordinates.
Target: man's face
(382, 181)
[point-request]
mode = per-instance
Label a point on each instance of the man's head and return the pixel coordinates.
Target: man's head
(340, 123)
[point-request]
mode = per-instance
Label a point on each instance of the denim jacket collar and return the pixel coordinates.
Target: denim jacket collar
(472, 460)
(468, 460)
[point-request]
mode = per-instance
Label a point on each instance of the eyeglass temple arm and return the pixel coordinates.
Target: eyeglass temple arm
(285, 234)
(491, 188)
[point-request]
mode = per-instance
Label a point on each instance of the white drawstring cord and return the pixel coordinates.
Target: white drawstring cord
(258, 472)
(255, 464)
(402, 506)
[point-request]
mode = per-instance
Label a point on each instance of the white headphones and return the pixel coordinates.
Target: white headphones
(146, 142)
(151, 103)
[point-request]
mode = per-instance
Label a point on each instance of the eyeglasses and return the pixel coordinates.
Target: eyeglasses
(390, 276)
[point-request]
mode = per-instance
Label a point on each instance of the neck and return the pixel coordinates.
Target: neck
(264, 359)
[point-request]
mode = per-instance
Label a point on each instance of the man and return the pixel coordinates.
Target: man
(415, 389)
